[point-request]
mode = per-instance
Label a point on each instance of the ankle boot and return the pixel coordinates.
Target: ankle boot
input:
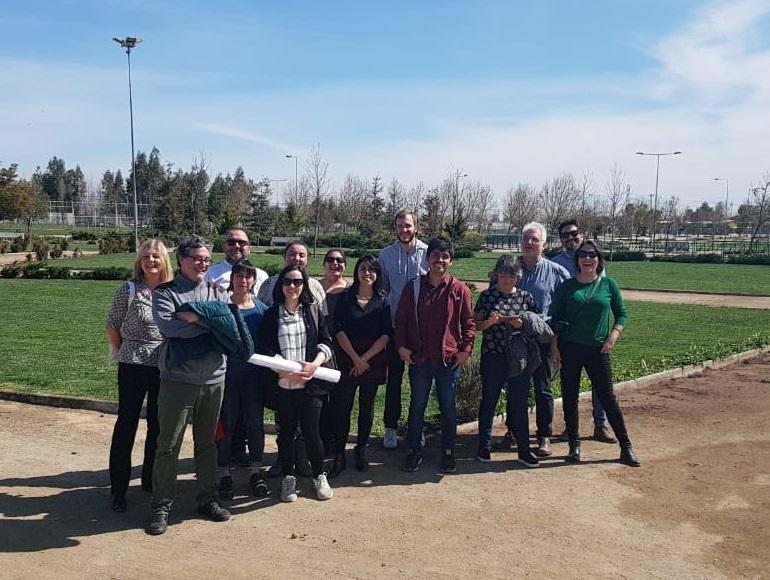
(574, 452)
(338, 466)
(628, 457)
(359, 453)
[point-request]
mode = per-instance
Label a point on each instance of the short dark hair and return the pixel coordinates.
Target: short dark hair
(600, 266)
(305, 297)
(294, 243)
(245, 267)
(506, 264)
(441, 244)
(373, 263)
(339, 251)
(565, 223)
(188, 244)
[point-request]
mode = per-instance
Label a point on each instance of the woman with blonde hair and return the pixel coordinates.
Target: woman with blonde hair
(134, 341)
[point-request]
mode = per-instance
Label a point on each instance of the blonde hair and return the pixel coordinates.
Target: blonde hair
(166, 271)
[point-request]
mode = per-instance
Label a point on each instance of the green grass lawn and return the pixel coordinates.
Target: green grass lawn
(52, 338)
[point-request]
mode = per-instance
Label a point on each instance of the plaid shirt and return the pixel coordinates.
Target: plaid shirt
(292, 336)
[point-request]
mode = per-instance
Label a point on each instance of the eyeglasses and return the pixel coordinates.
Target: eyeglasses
(296, 282)
(570, 234)
(198, 260)
(237, 242)
(367, 270)
(587, 254)
(338, 260)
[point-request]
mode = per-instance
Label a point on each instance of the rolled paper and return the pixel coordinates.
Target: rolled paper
(278, 363)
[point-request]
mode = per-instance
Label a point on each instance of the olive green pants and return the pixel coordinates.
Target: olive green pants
(178, 402)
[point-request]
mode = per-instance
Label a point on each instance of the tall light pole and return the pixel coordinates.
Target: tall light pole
(657, 176)
(296, 184)
(727, 197)
(128, 43)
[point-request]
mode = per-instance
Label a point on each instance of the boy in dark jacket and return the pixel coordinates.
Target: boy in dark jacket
(434, 332)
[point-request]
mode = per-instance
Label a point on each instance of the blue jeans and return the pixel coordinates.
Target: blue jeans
(421, 378)
(493, 370)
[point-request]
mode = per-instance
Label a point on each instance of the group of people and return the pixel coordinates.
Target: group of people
(183, 339)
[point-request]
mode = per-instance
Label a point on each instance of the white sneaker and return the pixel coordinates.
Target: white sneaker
(390, 440)
(322, 489)
(289, 488)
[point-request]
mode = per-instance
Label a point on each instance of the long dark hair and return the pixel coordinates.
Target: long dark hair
(305, 297)
(374, 264)
(594, 246)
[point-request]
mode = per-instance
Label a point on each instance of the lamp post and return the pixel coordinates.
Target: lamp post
(657, 177)
(727, 197)
(128, 43)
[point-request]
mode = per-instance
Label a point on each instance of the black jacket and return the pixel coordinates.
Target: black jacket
(267, 344)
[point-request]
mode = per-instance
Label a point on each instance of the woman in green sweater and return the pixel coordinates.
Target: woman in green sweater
(583, 338)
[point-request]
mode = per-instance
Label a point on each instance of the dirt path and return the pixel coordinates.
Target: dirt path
(698, 508)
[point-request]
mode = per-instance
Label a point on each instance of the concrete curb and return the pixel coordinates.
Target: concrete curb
(111, 407)
(669, 375)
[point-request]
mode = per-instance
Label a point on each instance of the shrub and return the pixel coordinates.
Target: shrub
(472, 241)
(690, 258)
(749, 259)
(56, 253)
(276, 251)
(625, 256)
(358, 252)
(271, 269)
(19, 244)
(12, 270)
(40, 248)
(114, 243)
(110, 273)
(84, 236)
(5, 246)
(469, 392)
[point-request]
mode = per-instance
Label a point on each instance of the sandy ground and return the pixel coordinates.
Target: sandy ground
(699, 507)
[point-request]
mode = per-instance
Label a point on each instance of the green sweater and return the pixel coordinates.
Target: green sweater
(589, 320)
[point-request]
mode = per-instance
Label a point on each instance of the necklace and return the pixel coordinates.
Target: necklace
(363, 298)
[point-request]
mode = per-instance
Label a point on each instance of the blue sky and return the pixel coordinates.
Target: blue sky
(506, 91)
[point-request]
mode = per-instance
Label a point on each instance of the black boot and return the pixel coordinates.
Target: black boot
(338, 466)
(359, 453)
(574, 452)
(628, 457)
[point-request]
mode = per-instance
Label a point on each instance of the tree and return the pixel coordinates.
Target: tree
(432, 219)
(455, 195)
(372, 221)
(317, 172)
(616, 191)
(520, 206)
(262, 218)
(759, 200)
(396, 199)
(559, 198)
(481, 199)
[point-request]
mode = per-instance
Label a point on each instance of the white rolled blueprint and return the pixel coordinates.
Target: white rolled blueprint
(278, 363)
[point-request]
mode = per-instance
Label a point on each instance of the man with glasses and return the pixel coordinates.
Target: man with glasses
(571, 237)
(191, 389)
(237, 249)
(540, 277)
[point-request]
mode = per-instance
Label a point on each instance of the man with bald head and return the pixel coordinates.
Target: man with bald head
(237, 249)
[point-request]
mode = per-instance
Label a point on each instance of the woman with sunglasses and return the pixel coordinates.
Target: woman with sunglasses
(334, 285)
(363, 328)
(243, 396)
(295, 328)
(583, 338)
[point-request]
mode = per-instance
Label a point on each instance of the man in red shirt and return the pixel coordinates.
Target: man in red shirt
(434, 332)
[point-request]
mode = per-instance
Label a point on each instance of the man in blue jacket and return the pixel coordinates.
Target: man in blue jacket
(191, 388)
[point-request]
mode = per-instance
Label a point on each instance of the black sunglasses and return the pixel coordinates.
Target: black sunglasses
(570, 234)
(296, 282)
(331, 259)
(587, 254)
(237, 242)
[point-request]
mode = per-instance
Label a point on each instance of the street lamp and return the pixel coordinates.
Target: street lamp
(727, 197)
(657, 176)
(128, 43)
(296, 185)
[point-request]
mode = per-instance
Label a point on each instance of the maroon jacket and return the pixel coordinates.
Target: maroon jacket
(459, 331)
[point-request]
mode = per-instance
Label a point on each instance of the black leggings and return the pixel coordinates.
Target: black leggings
(574, 358)
(298, 408)
(342, 400)
(134, 382)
